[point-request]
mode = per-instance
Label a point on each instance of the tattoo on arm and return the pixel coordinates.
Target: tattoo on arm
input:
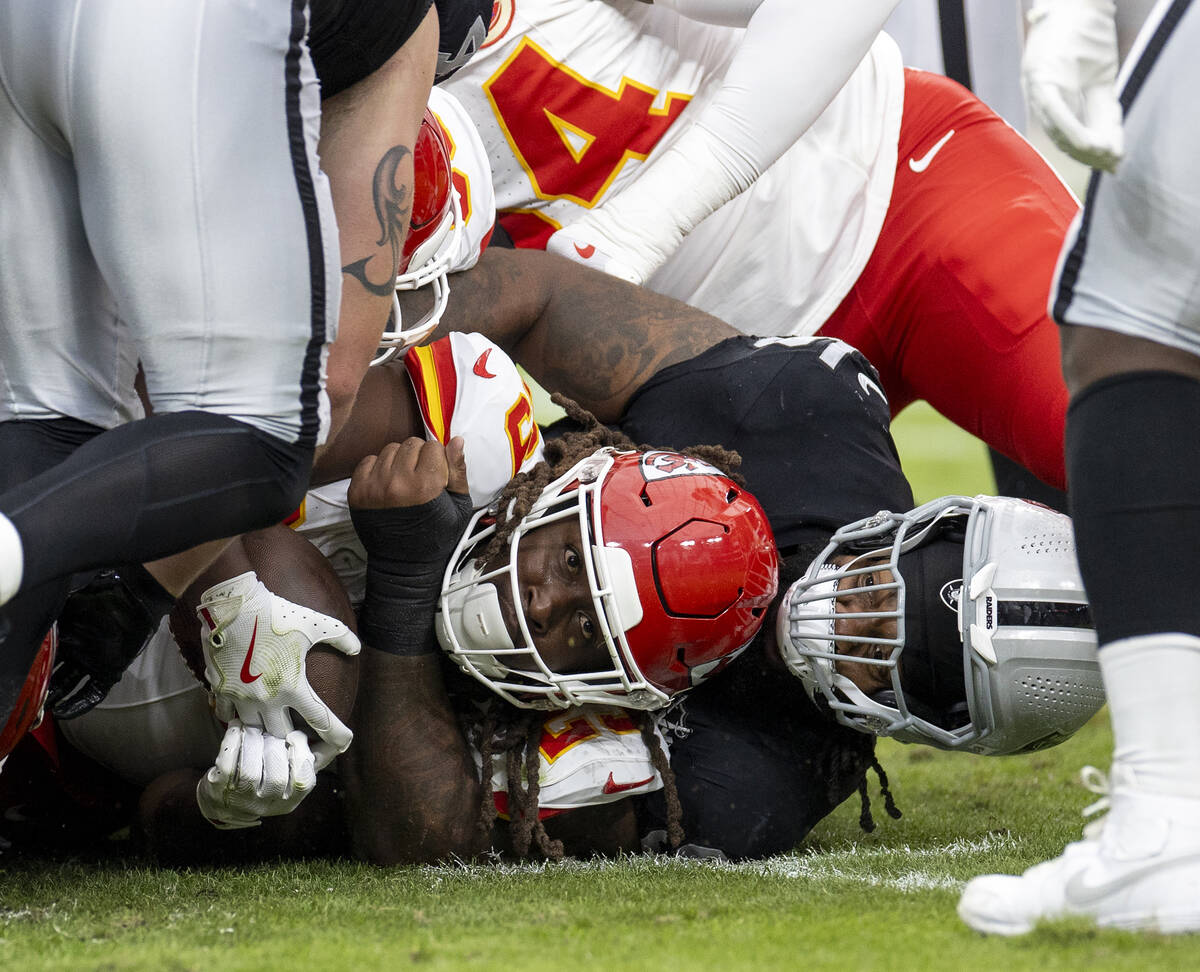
(393, 210)
(576, 330)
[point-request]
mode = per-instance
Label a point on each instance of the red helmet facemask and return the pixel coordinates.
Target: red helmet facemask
(681, 564)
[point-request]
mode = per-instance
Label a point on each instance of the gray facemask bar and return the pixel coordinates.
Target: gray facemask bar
(900, 533)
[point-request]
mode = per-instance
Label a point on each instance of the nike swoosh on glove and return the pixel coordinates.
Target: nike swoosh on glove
(255, 645)
(589, 246)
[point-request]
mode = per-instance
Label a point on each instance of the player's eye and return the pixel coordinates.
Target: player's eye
(573, 560)
(587, 625)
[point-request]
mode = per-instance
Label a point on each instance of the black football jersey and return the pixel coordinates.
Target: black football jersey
(464, 26)
(807, 416)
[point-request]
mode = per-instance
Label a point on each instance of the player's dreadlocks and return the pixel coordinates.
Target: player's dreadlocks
(517, 734)
(563, 451)
(658, 757)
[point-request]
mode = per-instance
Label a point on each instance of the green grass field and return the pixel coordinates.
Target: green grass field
(845, 899)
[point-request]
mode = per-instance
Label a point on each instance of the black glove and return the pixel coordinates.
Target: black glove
(407, 551)
(102, 628)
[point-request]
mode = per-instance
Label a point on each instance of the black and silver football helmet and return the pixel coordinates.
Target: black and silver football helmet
(987, 645)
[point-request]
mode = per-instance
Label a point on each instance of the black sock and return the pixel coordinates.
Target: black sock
(1133, 464)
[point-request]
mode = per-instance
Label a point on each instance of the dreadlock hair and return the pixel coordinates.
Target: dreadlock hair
(843, 765)
(563, 451)
(865, 820)
(517, 734)
(662, 764)
(520, 739)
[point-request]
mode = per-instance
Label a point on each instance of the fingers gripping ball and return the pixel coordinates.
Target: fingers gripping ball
(255, 644)
(256, 775)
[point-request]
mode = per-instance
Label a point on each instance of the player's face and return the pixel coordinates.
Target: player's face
(869, 678)
(556, 600)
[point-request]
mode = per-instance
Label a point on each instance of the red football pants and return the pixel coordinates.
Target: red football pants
(951, 306)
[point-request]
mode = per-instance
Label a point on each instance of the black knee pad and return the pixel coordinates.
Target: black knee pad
(1133, 464)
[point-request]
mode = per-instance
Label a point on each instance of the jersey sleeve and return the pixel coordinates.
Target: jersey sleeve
(589, 755)
(471, 173)
(465, 385)
(808, 50)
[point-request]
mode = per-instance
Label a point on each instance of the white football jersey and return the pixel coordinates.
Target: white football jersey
(572, 96)
(465, 385)
(589, 755)
(471, 177)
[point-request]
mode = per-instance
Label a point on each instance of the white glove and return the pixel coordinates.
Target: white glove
(1069, 71)
(256, 776)
(635, 231)
(255, 645)
(585, 242)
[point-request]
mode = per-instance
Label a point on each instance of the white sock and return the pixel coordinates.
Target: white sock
(12, 559)
(1153, 688)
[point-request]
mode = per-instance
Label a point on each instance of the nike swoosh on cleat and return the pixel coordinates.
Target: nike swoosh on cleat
(480, 367)
(612, 786)
(246, 676)
(1080, 892)
(921, 164)
(587, 252)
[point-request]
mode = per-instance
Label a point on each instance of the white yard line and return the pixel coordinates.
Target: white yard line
(847, 865)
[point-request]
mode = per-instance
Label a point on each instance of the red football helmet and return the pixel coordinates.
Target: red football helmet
(682, 567)
(432, 239)
(27, 712)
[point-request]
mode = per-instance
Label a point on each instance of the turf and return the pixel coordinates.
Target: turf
(845, 899)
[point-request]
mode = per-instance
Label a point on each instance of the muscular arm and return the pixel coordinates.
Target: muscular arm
(576, 330)
(413, 792)
(169, 819)
(412, 787)
(385, 410)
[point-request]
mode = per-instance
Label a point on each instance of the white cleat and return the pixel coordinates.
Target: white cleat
(1140, 871)
(12, 560)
